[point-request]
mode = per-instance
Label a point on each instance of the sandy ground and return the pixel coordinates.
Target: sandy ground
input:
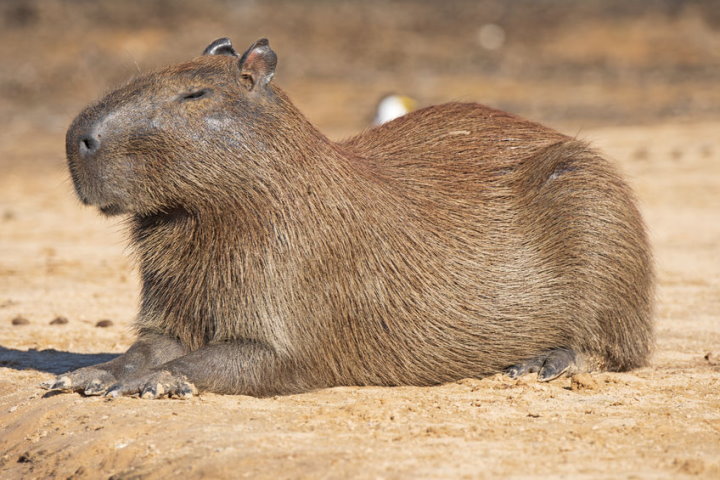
(58, 259)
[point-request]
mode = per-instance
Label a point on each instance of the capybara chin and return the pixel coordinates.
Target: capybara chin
(456, 241)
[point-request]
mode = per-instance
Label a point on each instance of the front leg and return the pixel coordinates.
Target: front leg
(149, 351)
(239, 367)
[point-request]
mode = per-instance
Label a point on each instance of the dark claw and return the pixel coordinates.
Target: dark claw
(60, 383)
(48, 384)
(185, 390)
(557, 362)
(114, 391)
(152, 391)
(95, 387)
(549, 373)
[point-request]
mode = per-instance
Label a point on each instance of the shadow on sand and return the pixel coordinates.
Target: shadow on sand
(50, 361)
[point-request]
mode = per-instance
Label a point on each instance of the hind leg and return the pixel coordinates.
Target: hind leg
(549, 365)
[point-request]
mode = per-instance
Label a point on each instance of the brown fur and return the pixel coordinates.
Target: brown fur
(453, 242)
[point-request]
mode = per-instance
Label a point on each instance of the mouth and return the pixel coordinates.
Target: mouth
(111, 210)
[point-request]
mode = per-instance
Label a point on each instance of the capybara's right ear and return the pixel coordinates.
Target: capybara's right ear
(257, 65)
(221, 46)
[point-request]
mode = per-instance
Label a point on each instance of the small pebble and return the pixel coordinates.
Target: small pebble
(104, 323)
(713, 358)
(26, 457)
(20, 320)
(59, 321)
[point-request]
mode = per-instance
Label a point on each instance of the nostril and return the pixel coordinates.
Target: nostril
(88, 145)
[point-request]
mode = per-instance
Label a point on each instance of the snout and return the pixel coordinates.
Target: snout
(81, 146)
(83, 138)
(86, 157)
(88, 144)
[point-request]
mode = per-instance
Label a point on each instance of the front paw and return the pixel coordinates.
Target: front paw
(88, 380)
(156, 384)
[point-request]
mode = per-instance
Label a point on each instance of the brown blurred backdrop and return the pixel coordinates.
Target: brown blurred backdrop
(573, 64)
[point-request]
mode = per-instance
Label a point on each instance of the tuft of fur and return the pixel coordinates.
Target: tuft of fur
(453, 242)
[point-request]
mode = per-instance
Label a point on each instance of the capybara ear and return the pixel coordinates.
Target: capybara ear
(221, 46)
(257, 65)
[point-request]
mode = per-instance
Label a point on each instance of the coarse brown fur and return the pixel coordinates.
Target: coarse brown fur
(456, 241)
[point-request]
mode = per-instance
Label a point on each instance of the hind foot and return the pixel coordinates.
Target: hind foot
(548, 366)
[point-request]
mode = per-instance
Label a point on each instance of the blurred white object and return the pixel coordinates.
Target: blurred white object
(391, 107)
(491, 36)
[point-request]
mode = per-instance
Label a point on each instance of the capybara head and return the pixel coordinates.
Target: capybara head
(140, 149)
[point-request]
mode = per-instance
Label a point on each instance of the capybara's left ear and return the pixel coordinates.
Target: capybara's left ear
(257, 65)
(221, 46)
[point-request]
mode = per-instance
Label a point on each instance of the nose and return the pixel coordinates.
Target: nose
(88, 145)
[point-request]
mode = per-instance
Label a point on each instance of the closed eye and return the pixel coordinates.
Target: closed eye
(194, 95)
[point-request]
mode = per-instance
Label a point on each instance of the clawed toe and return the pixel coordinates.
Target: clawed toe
(186, 390)
(95, 387)
(152, 391)
(152, 386)
(113, 392)
(548, 366)
(58, 383)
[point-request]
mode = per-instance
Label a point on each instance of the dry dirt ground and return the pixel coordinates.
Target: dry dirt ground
(604, 63)
(58, 259)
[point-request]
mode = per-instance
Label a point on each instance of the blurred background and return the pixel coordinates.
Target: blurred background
(572, 64)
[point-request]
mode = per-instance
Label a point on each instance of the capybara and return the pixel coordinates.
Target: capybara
(456, 241)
